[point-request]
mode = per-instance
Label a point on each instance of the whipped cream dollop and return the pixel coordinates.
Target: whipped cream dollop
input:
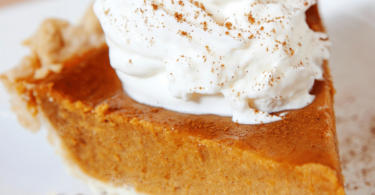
(240, 58)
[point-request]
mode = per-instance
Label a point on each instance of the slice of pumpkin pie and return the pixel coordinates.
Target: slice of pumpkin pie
(119, 145)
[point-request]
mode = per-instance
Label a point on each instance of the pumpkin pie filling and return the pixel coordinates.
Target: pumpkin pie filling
(119, 142)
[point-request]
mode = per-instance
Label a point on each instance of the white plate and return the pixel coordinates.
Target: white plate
(28, 164)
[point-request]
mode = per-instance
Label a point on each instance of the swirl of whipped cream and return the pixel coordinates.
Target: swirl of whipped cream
(240, 58)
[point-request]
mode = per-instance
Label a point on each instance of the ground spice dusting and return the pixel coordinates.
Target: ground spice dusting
(183, 33)
(106, 12)
(202, 7)
(251, 19)
(205, 26)
(155, 7)
(291, 51)
(228, 25)
(178, 17)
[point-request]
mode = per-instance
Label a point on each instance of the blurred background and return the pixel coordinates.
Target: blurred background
(28, 164)
(6, 2)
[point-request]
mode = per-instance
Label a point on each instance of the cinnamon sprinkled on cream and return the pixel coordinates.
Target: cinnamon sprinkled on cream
(178, 17)
(251, 19)
(242, 51)
(228, 25)
(155, 7)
